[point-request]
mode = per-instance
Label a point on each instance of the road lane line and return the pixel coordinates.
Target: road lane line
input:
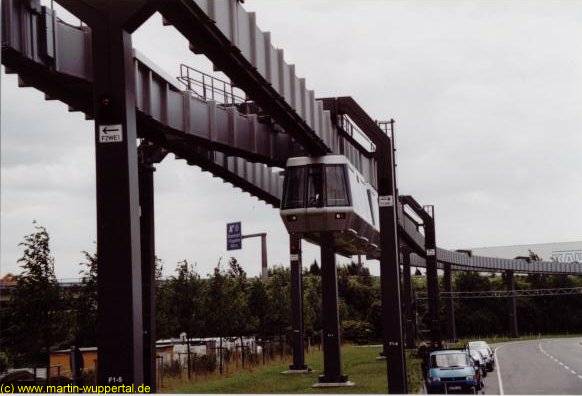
(561, 364)
(497, 363)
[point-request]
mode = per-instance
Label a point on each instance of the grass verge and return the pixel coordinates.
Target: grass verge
(359, 363)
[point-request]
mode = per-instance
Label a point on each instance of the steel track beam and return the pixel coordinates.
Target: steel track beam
(45, 63)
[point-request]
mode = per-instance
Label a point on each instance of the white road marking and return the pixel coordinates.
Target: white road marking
(497, 363)
(560, 363)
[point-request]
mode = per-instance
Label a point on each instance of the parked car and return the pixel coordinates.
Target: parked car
(479, 361)
(485, 350)
(450, 370)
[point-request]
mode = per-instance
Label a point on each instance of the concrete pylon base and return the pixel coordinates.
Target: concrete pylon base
(333, 384)
(301, 371)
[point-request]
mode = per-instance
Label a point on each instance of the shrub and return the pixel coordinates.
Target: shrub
(357, 331)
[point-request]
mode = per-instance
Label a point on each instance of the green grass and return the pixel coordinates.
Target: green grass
(359, 363)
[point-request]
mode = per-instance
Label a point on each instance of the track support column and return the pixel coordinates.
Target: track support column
(390, 270)
(119, 291)
(450, 307)
(298, 365)
(407, 296)
(148, 268)
(332, 365)
(512, 304)
(432, 280)
(119, 318)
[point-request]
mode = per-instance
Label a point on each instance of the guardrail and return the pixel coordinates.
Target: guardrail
(208, 87)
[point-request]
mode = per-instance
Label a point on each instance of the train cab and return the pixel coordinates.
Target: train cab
(328, 194)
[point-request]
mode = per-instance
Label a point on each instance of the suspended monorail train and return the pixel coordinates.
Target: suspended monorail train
(328, 194)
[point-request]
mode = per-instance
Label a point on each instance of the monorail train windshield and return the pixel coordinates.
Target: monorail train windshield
(316, 186)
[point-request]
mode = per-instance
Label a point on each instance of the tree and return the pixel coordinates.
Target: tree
(85, 303)
(258, 304)
(237, 294)
(180, 303)
(312, 304)
(226, 299)
(36, 315)
(314, 269)
(356, 289)
(279, 300)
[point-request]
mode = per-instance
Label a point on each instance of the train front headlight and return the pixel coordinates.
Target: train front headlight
(292, 218)
(340, 216)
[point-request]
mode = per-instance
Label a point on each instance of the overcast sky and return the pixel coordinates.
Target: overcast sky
(487, 98)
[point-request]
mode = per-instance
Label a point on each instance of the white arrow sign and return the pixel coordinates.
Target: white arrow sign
(110, 133)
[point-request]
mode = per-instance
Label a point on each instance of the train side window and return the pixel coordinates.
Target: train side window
(294, 190)
(370, 202)
(314, 187)
(336, 186)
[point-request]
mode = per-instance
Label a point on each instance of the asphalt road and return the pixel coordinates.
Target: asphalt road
(547, 366)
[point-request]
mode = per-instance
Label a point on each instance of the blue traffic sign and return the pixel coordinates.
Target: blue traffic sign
(233, 236)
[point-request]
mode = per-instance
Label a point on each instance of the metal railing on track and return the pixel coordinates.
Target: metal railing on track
(209, 87)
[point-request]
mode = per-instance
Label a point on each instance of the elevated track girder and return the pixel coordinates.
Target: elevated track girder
(220, 139)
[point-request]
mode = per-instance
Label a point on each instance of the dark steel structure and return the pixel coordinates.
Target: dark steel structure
(451, 328)
(408, 314)
(148, 156)
(295, 254)
(244, 139)
(332, 366)
(245, 156)
(512, 304)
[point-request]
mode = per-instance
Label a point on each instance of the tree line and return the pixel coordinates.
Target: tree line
(42, 315)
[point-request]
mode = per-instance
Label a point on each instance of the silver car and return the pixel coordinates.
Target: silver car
(480, 361)
(485, 350)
